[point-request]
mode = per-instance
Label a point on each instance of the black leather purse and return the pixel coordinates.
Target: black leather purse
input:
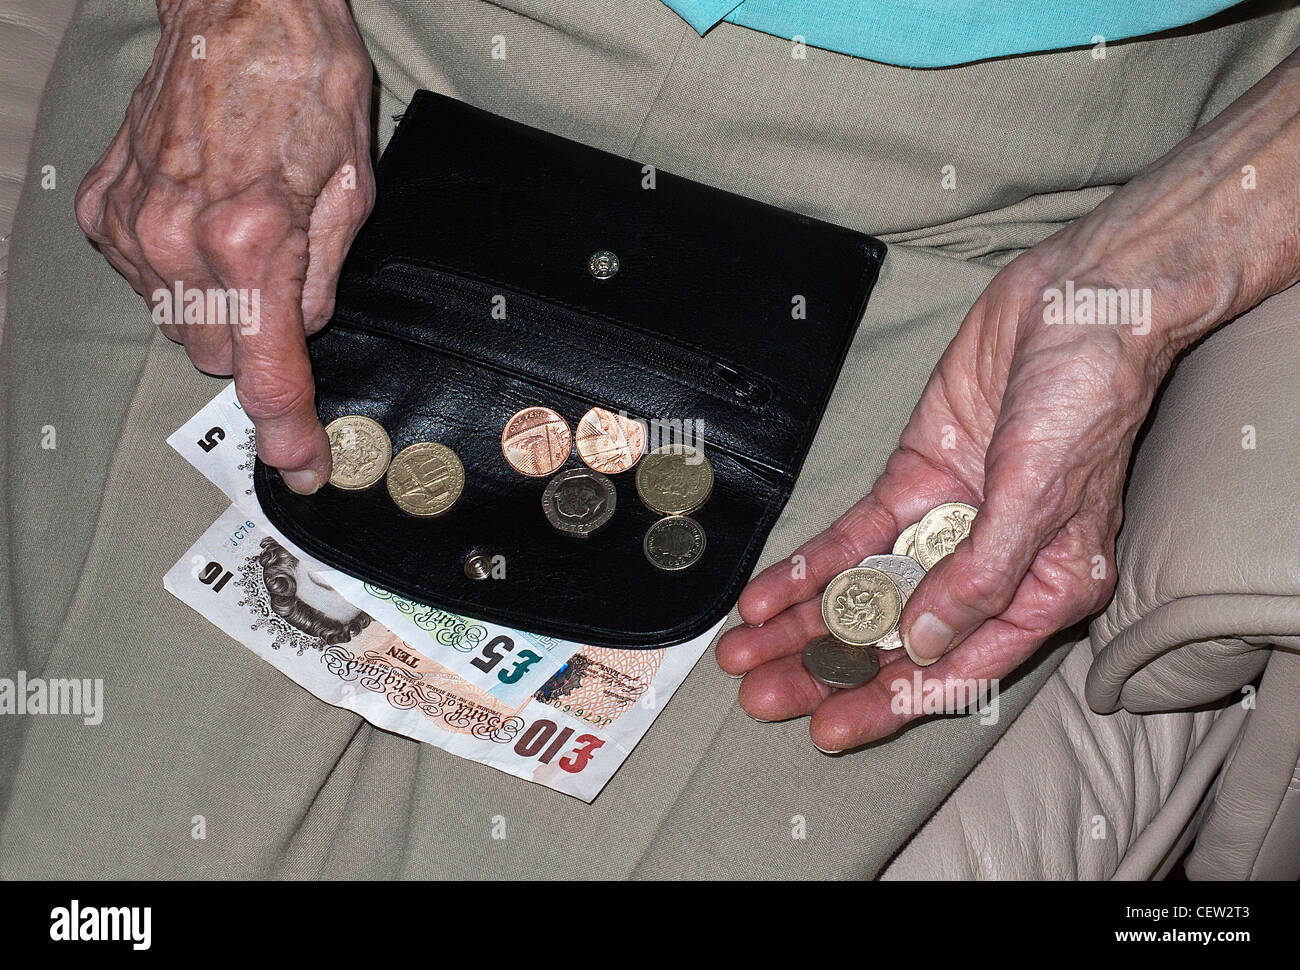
(723, 310)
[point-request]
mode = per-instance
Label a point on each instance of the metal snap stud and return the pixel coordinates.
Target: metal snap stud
(603, 264)
(478, 566)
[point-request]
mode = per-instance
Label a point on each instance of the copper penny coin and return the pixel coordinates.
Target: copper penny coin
(609, 442)
(536, 441)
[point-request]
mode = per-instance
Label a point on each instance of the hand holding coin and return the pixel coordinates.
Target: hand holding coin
(1031, 425)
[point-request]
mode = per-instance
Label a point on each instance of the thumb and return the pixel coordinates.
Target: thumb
(974, 583)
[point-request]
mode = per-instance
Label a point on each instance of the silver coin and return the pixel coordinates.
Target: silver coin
(579, 501)
(906, 573)
(897, 567)
(839, 664)
(673, 543)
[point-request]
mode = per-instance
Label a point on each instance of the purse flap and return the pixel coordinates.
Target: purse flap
(468, 296)
(716, 296)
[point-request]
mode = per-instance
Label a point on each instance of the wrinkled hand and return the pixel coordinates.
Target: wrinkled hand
(248, 169)
(1033, 424)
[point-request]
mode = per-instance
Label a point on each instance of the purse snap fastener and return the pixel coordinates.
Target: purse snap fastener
(603, 264)
(478, 566)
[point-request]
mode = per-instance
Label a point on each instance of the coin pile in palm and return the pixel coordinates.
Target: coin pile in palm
(862, 605)
(425, 479)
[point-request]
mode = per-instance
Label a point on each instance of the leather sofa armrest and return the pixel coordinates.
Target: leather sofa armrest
(1209, 555)
(1208, 591)
(1252, 829)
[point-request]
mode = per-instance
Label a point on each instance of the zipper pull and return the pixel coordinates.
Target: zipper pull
(744, 387)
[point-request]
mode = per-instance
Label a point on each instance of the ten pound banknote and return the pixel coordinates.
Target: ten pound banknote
(561, 714)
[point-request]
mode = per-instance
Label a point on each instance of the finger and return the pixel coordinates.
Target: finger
(979, 579)
(159, 237)
(256, 243)
(207, 341)
(88, 202)
(124, 266)
(866, 528)
(273, 381)
(103, 224)
(124, 249)
(781, 689)
(743, 648)
(163, 318)
(273, 378)
(340, 210)
(909, 487)
(210, 347)
(899, 694)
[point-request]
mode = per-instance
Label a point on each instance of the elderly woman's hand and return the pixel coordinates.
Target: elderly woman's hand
(243, 166)
(1031, 415)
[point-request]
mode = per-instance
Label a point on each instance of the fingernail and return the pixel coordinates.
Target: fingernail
(826, 751)
(304, 482)
(928, 640)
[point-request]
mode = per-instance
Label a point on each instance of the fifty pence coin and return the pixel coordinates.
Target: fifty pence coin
(536, 441)
(579, 501)
(906, 573)
(839, 664)
(674, 480)
(939, 531)
(359, 450)
(905, 544)
(673, 543)
(426, 479)
(609, 442)
(862, 605)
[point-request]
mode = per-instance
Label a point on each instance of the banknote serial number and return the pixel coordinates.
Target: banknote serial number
(596, 720)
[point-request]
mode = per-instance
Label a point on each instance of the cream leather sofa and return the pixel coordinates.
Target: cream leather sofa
(1130, 754)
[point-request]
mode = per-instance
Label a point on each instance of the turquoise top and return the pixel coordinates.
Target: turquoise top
(938, 33)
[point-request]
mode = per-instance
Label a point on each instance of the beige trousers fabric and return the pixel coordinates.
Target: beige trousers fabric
(195, 725)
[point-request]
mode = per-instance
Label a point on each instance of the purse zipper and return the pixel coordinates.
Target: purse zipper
(470, 292)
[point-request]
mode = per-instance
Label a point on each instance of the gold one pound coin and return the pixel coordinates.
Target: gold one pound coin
(360, 451)
(861, 606)
(939, 531)
(674, 480)
(425, 479)
(905, 544)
